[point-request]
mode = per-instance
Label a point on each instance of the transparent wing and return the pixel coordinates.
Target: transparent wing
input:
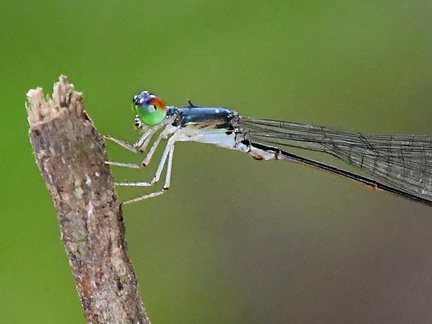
(402, 161)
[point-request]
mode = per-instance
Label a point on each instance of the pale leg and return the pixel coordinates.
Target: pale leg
(140, 146)
(168, 153)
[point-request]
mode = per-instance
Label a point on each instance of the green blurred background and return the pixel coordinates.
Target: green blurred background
(234, 240)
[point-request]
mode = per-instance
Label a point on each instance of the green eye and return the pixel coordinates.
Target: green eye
(151, 110)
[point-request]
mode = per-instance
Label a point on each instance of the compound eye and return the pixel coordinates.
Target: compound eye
(151, 110)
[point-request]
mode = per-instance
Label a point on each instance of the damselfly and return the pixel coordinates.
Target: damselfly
(399, 164)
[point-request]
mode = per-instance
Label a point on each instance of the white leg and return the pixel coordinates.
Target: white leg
(158, 173)
(145, 139)
(138, 147)
(150, 195)
(124, 144)
(156, 143)
(168, 153)
(125, 165)
(169, 169)
(134, 148)
(146, 160)
(140, 143)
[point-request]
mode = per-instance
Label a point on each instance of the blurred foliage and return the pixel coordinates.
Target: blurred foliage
(234, 240)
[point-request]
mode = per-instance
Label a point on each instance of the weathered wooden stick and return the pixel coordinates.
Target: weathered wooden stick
(70, 154)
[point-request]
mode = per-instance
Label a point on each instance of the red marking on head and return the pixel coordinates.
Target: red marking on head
(158, 102)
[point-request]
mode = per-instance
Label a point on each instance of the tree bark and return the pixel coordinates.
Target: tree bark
(70, 154)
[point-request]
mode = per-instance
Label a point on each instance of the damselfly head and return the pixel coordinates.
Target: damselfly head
(150, 109)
